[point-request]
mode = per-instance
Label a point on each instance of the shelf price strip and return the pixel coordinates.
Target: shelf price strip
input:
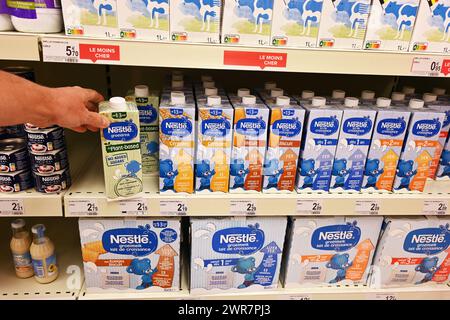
(134, 207)
(83, 208)
(11, 207)
(371, 207)
(435, 207)
(430, 66)
(243, 207)
(173, 207)
(309, 206)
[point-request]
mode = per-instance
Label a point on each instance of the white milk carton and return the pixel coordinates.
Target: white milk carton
(177, 145)
(247, 22)
(420, 145)
(391, 24)
(146, 19)
(412, 251)
(387, 141)
(195, 20)
(236, 253)
(93, 18)
(353, 146)
(343, 24)
(296, 23)
(318, 146)
(214, 142)
(331, 250)
(443, 171)
(431, 31)
(443, 137)
(131, 255)
(285, 135)
(249, 146)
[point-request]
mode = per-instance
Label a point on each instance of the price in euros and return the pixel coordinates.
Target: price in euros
(72, 51)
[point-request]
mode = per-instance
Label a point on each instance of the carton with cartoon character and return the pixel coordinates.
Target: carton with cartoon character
(131, 254)
(236, 253)
(443, 171)
(412, 251)
(121, 149)
(443, 137)
(91, 18)
(331, 250)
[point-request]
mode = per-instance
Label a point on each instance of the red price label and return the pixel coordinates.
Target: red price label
(445, 67)
(255, 59)
(95, 52)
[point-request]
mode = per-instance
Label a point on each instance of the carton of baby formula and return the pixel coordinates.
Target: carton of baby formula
(391, 24)
(343, 24)
(177, 145)
(443, 171)
(412, 251)
(386, 146)
(144, 19)
(249, 145)
(318, 146)
(91, 18)
(215, 138)
(131, 255)
(236, 253)
(443, 137)
(195, 20)
(353, 146)
(431, 31)
(247, 22)
(121, 149)
(420, 145)
(331, 250)
(296, 23)
(285, 135)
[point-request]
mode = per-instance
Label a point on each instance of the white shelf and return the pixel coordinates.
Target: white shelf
(19, 46)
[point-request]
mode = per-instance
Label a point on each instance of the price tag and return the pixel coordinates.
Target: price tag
(134, 207)
(11, 207)
(309, 206)
(427, 66)
(432, 207)
(173, 207)
(60, 50)
(383, 296)
(367, 207)
(299, 297)
(83, 207)
(243, 207)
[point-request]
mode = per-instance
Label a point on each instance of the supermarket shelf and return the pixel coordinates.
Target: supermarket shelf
(19, 46)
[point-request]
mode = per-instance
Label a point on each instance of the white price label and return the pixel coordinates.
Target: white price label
(309, 206)
(383, 296)
(299, 297)
(438, 207)
(134, 207)
(243, 207)
(367, 207)
(60, 50)
(11, 207)
(83, 207)
(173, 207)
(427, 66)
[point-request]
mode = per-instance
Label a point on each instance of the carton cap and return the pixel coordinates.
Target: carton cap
(408, 90)
(351, 102)
(397, 96)
(177, 77)
(416, 103)
(307, 94)
(243, 92)
(177, 83)
(177, 73)
(249, 99)
(209, 83)
(18, 223)
(283, 101)
(367, 94)
(383, 102)
(276, 92)
(439, 91)
(319, 101)
(429, 97)
(211, 91)
(206, 77)
(338, 94)
(214, 100)
(117, 103)
(141, 91)
(269, 85)
(177, 98)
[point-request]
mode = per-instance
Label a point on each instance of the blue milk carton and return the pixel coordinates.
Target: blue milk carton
(387, 141)
(354, 141)
(236, 253)
(443, 171)
(318, 146)
(443, 136)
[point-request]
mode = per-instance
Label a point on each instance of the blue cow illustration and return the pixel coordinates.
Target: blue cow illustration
(204, 172)
(152, 148)
(405, 15)
(429, 267)
(207, 9)
(340, 171)
(444, 12)
(308, 171)
(340, 263)
(133, 167)
(166, 171)
(102, 7)
(309, 12)
(261, 10)
(372, 171)
(406, 172)
(155, 8)
(245, 266)
(238, 171)
(444, 169)
(142, 267)
(356, 11)
(273, 172)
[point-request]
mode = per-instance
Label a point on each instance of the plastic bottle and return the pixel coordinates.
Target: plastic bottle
(43, 255)
(40, 17)
(5, 19)
(20, 248)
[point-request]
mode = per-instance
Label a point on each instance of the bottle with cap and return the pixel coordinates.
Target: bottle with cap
(42, 17)
(20, 248)
(368, 98)
(351, 102)
(318, 102)
(43, 255)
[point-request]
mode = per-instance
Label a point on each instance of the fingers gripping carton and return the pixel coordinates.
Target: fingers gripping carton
(331, 250)
(412, 251)
(236, 253)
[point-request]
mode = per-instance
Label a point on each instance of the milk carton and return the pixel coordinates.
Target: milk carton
(236, 253)
(391, 24)
(195, 21)
(343, 23)
(247, 22)
(148, 103)
(215, 137)
(387, 141)
(131, 255)
(331, 250)
(296, 23)
(249, 145)
(443, 171)
(353, 146)
(95, 18)
(146, 20)
(431, 31)
(419, 147)
(318, 146)
(412, 251)
(176, 141)
(121, 149)
(443, 137)
(285, 134)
